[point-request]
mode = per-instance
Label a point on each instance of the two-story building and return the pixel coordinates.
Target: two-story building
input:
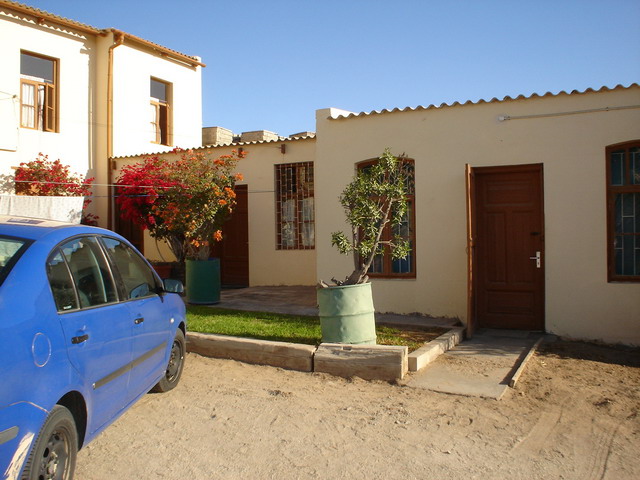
(83, 95)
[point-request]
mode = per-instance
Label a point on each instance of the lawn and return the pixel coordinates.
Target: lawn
(291, 328)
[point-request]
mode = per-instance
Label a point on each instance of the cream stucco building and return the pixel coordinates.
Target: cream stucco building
(525, 211)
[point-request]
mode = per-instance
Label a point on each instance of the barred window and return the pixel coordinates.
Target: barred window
(295, 213)
(623, 211)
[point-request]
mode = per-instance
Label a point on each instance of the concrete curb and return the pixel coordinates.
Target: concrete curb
(421, 357)
(523, 364)
(370, 362)
(293, 356)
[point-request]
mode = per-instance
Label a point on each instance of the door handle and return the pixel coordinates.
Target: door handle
(537, 258)
(79, 339)
(138, 320)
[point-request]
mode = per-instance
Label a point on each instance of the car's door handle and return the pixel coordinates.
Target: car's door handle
(79, 339)
(138, 320)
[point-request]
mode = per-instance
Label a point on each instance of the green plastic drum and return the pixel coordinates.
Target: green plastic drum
(347, 314)
(203, 281)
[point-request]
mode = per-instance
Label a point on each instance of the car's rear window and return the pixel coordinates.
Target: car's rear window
(11, 249)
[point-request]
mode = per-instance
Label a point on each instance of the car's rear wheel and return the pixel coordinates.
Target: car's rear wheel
(54, 455)
(174, 367)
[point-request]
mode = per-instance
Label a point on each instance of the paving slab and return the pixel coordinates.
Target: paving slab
(481, 366)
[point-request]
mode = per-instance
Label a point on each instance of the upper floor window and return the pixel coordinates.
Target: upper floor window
(384, 265)
(623, 211)
(160, 112)
(295, 217)
(38, 92)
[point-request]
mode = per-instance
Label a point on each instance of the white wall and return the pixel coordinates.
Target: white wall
(75, 54)
(133, 70)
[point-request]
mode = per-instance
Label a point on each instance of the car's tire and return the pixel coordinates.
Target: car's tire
(175, 366)
(54, 453)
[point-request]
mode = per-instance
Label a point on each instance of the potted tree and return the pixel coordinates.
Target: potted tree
(375, 198)
(184, 202)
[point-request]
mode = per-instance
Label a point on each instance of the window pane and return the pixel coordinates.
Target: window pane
(617, 167)
(307, 210)
(38, 67)
(637, 213)
(403, 265)
(377, 266)
(637, 256)
(137, 277)
(288, 235)
(409, 179)
(10, 251)
(159, 90)
(628, 255)
(28, 101)
(308, 235)
(289, 210)
(155, 132)
(61, 283)
(90, 272)
(634, 156)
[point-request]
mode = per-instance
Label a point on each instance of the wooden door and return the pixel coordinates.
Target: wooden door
(471, 249)
(129, 230)
(508, 217)
(233, 250)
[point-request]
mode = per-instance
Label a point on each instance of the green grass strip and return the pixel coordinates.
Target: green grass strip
(284, 328)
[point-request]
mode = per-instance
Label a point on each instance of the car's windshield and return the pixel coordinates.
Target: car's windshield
(10, 250)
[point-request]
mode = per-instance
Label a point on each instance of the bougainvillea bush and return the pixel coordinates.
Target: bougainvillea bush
(182, 201)
(43, 177)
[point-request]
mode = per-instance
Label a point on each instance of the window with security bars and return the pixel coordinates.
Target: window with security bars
(384, 265)
(295, 215)
(623, 211)
(38, 97)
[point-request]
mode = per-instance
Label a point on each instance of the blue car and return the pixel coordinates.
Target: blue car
(86, 328)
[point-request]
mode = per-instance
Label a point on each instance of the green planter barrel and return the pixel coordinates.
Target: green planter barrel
(203, 281)
(347, 314)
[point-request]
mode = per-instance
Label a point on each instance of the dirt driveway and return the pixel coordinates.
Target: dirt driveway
(574, 415)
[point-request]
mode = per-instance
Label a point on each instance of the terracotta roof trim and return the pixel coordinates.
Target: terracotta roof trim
(479, 102)
(235, 144)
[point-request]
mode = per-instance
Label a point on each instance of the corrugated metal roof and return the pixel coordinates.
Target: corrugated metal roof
(42, 15)
(235, 144)
(479, 102)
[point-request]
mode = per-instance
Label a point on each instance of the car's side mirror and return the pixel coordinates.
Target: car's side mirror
(173, 286)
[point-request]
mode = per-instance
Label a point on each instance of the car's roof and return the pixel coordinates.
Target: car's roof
(35, 228)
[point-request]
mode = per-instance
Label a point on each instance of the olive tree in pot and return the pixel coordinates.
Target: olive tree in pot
(375, 199)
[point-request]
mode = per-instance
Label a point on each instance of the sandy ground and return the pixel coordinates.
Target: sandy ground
(573, 415)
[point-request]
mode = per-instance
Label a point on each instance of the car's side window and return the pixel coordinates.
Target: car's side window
(90, 271)
(137, 277)
(61, 283)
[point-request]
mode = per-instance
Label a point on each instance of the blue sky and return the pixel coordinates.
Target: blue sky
(272, 63)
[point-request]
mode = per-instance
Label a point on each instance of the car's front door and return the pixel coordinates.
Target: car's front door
(152, 327)
(97, 328)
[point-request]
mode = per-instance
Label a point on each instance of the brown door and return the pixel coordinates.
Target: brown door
(508, 270)
(233, 250)
(129, 230)
(471, 249)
